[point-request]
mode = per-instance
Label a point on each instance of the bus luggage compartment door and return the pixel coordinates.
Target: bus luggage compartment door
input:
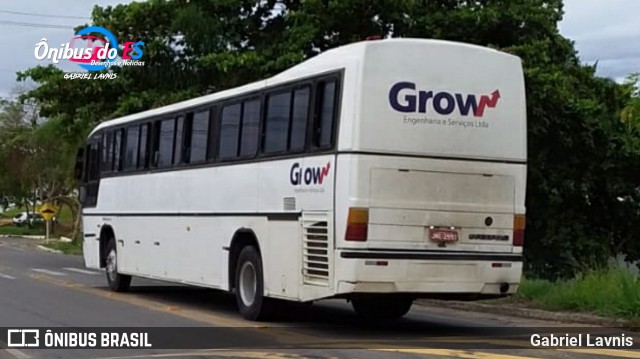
(416, 209)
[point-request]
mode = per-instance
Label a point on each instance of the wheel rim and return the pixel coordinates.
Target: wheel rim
(248, 283)
(112, 261)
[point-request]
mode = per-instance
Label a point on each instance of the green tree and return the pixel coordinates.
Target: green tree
(630, 114)
(15, 126)
(581, 156)
(34, 162)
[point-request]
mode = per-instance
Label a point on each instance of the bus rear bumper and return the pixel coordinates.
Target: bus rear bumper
(427, 274)
(429, 290)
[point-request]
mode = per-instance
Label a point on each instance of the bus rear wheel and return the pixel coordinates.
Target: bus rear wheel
(249, 286)
(117, 282)
(381, 308)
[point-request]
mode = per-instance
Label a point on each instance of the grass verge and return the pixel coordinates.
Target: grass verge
(65, 247)
(59, 229)
(21, 231)
(63, 216)
(612, 292)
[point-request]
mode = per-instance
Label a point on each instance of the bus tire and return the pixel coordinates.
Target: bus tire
(249, 286)
(117, 282)
(377, 308)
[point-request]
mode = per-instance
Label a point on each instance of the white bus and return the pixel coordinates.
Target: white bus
(379, 172)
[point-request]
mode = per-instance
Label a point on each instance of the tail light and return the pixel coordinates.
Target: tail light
(519, 221)
(357, 223)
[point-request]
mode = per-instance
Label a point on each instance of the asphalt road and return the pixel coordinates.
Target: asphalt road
(41, 289)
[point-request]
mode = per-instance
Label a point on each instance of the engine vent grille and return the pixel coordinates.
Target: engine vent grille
(316, 249)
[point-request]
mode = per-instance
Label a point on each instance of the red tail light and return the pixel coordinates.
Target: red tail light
(357, 224)
(519, 221)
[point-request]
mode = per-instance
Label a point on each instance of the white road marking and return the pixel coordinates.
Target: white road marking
(82, 271)
(6, 276)
(49, 272)
(15, 353)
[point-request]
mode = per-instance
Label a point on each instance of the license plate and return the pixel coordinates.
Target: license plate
(443, 235)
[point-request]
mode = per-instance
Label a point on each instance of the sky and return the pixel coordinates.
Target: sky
(606, 31)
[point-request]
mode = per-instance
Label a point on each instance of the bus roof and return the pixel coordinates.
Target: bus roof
(337, 58)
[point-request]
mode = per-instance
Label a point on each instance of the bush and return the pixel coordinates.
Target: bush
(613, 291)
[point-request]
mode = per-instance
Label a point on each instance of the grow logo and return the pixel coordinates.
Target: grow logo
(404, 97)
(93, 53)
(313, 175)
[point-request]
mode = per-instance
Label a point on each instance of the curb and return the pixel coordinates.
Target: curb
(529, 313)
(47, 249)
(19, 236)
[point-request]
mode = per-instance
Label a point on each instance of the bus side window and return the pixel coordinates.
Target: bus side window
(179, 141)
(299, 119)
(229, 131)
(92, 174)
(214, 129)
(165, 143)
(186, 138)
(276, 126)
(324, 115)
(85, 175)
(143, 148)
(80, 168)
(250, 128)
(199, 130)
(94, 163)
(107, 152)
(117, 151)
(131, 152)
(154, 143)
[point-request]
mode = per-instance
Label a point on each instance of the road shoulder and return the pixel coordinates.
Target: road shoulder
(520, 311)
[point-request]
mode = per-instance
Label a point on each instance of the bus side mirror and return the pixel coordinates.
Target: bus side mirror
(79, 167)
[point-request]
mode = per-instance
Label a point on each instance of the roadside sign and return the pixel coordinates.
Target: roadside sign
(48, 211)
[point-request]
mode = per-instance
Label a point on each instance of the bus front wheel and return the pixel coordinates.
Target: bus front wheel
(381, 308)
(249, 286)
(117, 282)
